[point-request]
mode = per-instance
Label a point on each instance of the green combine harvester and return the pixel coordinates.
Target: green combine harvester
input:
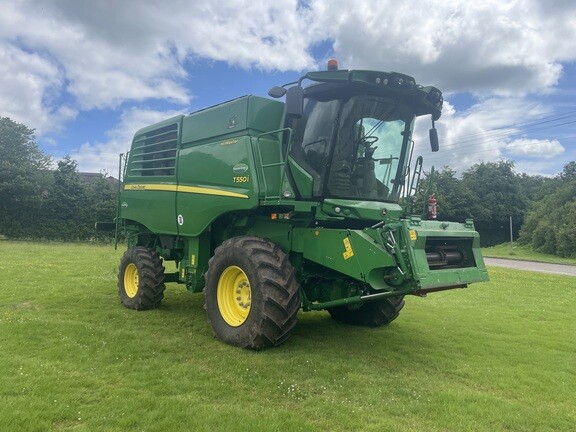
(270, 207)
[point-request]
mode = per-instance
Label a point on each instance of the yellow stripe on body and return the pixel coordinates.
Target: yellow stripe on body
(186, 189)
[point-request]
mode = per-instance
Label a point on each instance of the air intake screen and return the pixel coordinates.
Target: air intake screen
(154, 153)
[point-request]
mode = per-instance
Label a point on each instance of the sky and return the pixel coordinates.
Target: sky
(85, 75)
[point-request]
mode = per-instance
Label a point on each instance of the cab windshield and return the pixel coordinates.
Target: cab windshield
(355, 148)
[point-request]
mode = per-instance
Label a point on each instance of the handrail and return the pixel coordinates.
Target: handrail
(414, 181)
(282, 163)
(120, 179)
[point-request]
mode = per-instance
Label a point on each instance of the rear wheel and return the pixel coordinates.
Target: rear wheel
(141, 279)
(373, 314)
(251, 293)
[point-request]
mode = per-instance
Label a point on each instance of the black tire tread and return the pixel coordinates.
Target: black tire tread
(373, 314)
(279, 289)
(151, 279)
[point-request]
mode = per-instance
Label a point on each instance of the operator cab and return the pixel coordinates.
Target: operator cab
(353, 147)
(353, 134)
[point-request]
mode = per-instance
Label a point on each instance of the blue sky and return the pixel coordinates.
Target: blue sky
(86, 75)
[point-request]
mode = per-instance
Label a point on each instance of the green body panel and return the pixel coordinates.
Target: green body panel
(149, 192)
(209, 185)
(216, 167)
(153, 209)
(451, 233)
(363, 210)
(364, 255)
(248, 115)
(303, 179)
(194, 263)
(353, 253)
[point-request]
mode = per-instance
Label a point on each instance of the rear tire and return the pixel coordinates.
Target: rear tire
(141, 279)
(373, 314)
(252, 296)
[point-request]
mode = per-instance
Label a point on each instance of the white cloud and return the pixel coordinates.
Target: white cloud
(104, 156)
(97, 71)
(103, 54)
(543, 167)
(58, 57)
(504, 47)
(534, 148)
(29, 82)
(485, 132)
(110, 52)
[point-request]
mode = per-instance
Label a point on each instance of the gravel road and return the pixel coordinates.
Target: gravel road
(563, 269)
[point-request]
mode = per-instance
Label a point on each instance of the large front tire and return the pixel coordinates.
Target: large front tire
(373, 314)
(141, 279)
(252, 296)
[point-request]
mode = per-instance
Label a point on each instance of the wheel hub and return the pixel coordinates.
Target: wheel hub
(234, 296)
(131, 280)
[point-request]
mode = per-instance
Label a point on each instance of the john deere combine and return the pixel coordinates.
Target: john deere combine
(270, 207)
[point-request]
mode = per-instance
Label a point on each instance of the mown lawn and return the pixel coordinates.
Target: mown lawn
(521, 252)
(496, 356)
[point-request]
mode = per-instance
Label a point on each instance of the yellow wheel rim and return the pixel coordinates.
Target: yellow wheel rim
(233, 296)
(131, 280)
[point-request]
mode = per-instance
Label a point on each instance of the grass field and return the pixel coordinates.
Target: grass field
(521, 252)
(496, 356)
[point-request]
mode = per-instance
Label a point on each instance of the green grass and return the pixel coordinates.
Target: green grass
(496, 356)
(520, 252)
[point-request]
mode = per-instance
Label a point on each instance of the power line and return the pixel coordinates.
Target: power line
(501, 136)
(495, 136)
(489, 149)
(535, 122)
(502, 133)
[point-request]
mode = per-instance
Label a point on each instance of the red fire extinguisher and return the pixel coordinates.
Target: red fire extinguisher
(432, 206)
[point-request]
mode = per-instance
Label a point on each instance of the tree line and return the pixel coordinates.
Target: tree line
(541, 210)
(38, 202)
(43, 203)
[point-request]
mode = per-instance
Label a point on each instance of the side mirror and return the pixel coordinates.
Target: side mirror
(276, 92)
(294, 102)
(434, 145)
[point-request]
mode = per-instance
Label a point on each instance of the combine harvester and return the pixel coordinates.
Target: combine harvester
(270, 207)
